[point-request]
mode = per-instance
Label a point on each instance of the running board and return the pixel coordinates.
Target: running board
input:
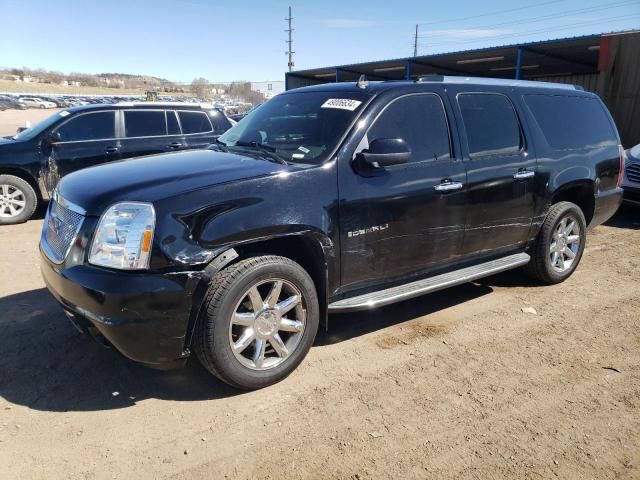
(381, 298)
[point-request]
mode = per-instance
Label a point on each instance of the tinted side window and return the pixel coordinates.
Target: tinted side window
(418, 119)
(90, 126)
(194, 122)
(570, 123)
(220, 122)
(144, 123)
(172, 123)
(491, 124)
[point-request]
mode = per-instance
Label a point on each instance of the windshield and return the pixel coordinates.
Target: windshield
(40, 127)
(302, 127)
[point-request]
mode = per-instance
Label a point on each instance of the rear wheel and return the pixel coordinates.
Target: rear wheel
(18, 200)
(260, 321)
(558, 248)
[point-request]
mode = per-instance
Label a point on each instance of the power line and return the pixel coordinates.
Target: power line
(544, 30)
(595, 8)
(289, 42)
(497, 12)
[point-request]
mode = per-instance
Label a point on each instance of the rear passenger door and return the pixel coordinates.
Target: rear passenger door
(500, 173)
(407, 218)
(146, 132)
(197, 128)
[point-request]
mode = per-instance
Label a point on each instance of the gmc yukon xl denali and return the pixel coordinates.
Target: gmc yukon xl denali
(330, 198)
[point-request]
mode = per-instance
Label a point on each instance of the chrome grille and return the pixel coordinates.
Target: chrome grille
(60, 229)
(633, 172)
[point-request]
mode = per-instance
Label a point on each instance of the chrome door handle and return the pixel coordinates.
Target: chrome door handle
(175, 145)
(448, 187)
(524, 174)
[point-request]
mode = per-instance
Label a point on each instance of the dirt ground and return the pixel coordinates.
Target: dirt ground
(10, 120)
(457, 384)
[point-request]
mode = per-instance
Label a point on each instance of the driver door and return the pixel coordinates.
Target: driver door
(400, 220)
(83, 141)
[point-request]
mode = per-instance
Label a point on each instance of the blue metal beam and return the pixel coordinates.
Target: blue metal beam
(408, 68)
(519, 63)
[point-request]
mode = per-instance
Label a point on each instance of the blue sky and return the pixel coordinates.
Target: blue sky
(224, 41)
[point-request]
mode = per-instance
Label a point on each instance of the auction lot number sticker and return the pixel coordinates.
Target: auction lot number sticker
(342, 104)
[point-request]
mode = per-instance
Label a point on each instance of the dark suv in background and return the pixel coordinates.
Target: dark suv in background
(33, 161)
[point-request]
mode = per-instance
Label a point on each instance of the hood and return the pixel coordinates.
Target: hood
(158, 177)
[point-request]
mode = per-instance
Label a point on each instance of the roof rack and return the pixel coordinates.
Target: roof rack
(166, 104)
(496, 81)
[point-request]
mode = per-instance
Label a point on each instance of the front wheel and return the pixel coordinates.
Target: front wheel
(559, 245)
(260, 320)
(18, 200)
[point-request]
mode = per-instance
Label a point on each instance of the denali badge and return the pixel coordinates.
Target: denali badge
(375, 228)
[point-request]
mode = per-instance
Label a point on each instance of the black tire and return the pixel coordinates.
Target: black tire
(228, 287)
(29, 195)
(42, 106)
(540, 267)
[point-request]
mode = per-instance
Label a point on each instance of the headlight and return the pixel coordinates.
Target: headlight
(124, 236)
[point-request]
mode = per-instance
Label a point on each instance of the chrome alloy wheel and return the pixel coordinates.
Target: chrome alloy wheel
(12, 201)
(267, 324)
(565, 244)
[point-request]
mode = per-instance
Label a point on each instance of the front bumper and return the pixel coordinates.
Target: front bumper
(145, 316)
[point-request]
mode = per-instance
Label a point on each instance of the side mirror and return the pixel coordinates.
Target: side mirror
(52, 137)
(384, 152)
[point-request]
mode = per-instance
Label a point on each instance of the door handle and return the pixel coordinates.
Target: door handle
(175, 145)
(524, 174)
(448, 187)
(110, 149)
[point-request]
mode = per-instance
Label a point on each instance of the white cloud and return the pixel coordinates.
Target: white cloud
(349, 23)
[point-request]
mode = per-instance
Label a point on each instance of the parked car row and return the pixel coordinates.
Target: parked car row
(22, 101)
(33, 161)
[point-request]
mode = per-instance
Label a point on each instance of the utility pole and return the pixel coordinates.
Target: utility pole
(415, 43)
(289, 51)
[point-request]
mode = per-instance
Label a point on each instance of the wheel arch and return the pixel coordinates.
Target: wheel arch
(309, 249)
(24, 175)
(579, 192)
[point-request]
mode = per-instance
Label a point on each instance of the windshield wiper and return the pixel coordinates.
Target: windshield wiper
(268, 150)
(221, 145)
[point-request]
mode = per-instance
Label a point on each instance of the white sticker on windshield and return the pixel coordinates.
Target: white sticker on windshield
(342, 104)
(304, 150)
(297, 155)
(64, 113)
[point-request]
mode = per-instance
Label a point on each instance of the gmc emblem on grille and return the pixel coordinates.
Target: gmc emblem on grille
(56, 224)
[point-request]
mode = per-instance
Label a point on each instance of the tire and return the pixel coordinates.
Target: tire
(18, 200)
(42, 106)
(542, 266)
(232, 314)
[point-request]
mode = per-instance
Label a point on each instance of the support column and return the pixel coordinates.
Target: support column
(519, 63)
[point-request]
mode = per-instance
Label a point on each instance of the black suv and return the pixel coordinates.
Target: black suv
(331, 198)
(33, 161)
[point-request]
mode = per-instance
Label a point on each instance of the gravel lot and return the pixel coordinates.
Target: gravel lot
(458, 384)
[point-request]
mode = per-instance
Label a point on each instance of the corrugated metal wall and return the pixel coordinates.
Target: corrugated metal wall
(620, 85)
(588, 81)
